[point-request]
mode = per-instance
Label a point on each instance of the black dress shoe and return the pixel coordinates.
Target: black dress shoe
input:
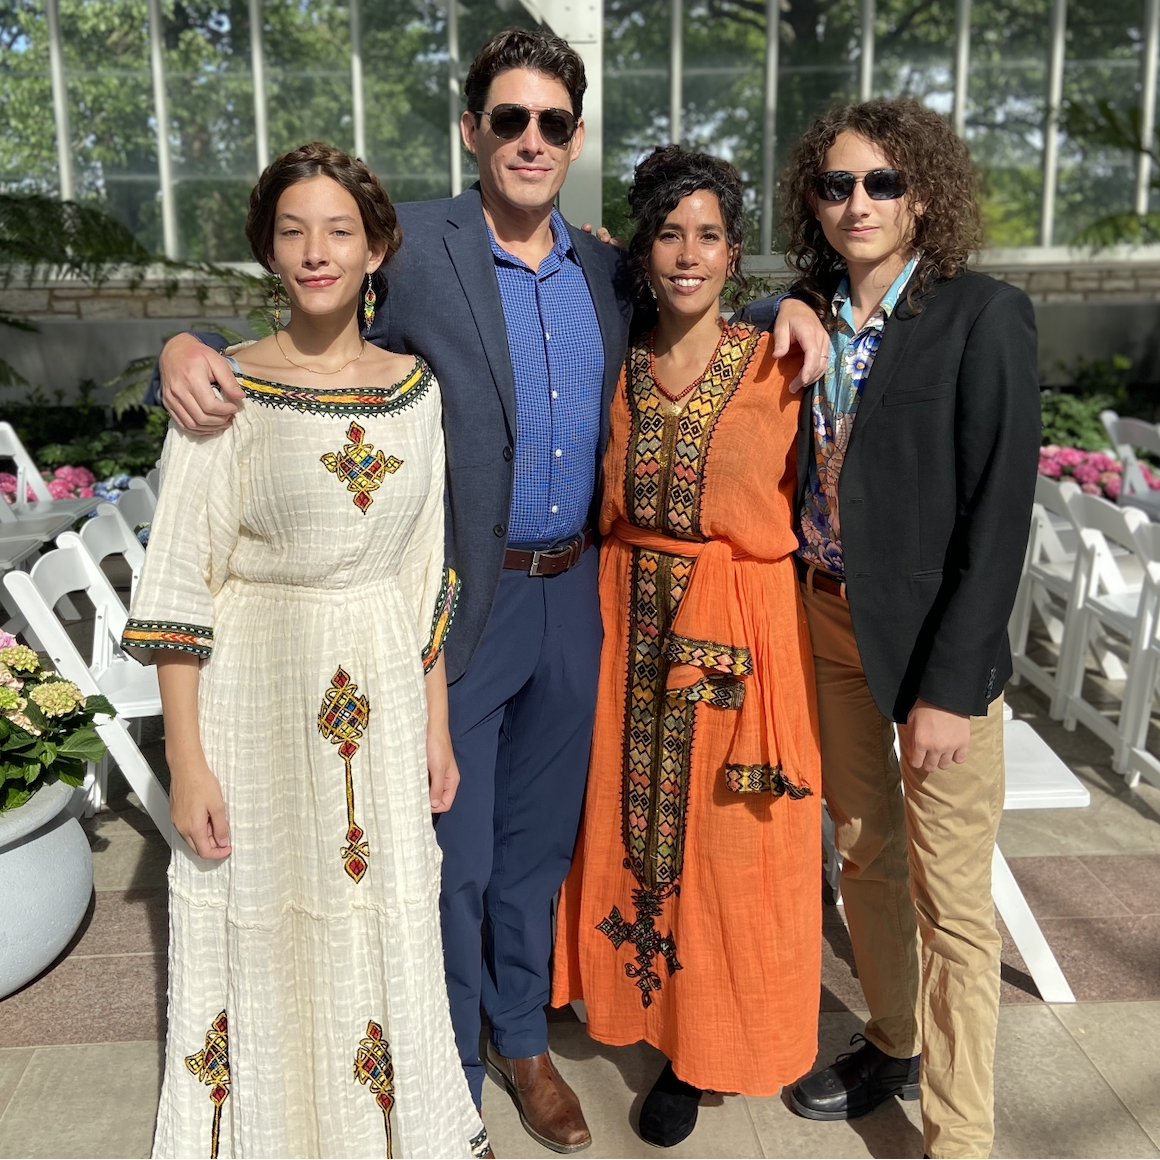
(856, 1084)
(669, 1111)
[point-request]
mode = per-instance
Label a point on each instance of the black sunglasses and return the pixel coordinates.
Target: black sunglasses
(557, 126)
(879, 184)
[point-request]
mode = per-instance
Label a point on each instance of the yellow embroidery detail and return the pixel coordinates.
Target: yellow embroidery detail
(211, 1065)
(373, 1066)
(342, 719)
(360, 466)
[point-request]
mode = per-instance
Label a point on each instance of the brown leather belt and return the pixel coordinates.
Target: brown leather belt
(814, 578)
(550, 561)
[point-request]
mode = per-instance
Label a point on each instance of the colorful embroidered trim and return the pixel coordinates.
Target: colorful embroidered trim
(658, 726)
(211, 1065)
(707, 654)
(360, 467)
(342, 719)
(763, 779)
(373, 1066)
(479, 1144)
(647, 940)
(666, 452)
(349, 401)
(445, 606)
(194, 638)
(720, 691)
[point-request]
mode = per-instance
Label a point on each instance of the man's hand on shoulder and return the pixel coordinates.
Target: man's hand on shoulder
(797, 325)
(189, 372)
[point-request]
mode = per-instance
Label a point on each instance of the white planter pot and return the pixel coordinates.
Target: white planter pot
(46, 880)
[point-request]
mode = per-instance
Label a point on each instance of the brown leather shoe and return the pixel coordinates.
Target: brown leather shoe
(548, 1107)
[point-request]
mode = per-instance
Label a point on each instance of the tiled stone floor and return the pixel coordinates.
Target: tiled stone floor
(80, 1047)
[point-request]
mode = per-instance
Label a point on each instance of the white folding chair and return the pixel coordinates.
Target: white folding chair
(1126, 435)
(132, 688)
(28, 477)
(1134, 760)
(153, 479)
(1106, 595)
(107, 534)
(137, 504)
(1048, 573)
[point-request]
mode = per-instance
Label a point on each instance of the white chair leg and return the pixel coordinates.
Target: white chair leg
(137, 772)
(1069, 672)
(1040, 960)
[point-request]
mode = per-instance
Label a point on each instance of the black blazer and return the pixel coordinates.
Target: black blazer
(935, 494)
(442, 302)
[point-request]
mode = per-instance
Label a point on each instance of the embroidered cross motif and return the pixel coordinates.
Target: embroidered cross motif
(649, 942)
(360, 466)
(342, 719)
(373, 1066)
(211, 1065)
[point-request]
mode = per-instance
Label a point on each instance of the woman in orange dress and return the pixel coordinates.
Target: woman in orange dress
(692, 914)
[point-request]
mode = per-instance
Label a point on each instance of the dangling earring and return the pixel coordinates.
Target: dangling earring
(368, 305)
(276, 296)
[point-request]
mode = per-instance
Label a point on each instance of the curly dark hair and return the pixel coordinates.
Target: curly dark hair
(534, 49)
(939, 176)
(659, 182)
(320, 160)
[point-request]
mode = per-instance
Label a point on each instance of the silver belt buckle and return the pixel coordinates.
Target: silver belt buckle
(551, 554)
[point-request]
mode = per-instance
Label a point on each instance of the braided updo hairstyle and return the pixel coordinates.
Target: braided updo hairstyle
(320, 160)
(659, 182)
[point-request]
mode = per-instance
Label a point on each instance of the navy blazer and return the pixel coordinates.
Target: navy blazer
(936, 491)
(442, 302)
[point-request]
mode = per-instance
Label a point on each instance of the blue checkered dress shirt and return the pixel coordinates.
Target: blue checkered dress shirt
(558, 361)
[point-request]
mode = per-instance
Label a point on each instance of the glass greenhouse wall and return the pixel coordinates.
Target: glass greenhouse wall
(1053, 96)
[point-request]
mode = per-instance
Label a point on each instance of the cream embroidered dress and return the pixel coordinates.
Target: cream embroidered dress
(301, 554)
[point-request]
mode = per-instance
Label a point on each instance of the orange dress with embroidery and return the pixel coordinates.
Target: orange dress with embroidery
(692, 914)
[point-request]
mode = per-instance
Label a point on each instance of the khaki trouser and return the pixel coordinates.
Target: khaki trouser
(925, 942)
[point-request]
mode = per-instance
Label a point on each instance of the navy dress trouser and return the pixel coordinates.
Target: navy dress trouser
(521, 724)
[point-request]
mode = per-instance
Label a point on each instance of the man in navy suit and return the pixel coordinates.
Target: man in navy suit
(524, 320)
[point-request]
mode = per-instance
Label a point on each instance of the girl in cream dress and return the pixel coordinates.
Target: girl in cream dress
(299, 555)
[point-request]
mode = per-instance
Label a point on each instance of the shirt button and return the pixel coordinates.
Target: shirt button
(555, 394)
(558, 452)
(507, 454)
(547, 336)
(499, 529)
(555, 508)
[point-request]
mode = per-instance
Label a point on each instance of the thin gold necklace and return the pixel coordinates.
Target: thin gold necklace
(314, 370)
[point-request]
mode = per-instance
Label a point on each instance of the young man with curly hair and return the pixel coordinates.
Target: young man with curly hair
(916, 475)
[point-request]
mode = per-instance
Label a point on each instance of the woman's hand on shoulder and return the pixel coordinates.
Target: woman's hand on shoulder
(797, 325)
(198, 810)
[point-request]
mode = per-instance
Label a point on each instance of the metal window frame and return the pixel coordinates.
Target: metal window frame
(1151, 65)
(769, 121)
(258, 83)
(64, 160)
(962, 64)
(1055, 63)
(161, 117)
(676, 69)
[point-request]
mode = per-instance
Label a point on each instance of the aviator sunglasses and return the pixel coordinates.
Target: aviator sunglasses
(879, 184)
(557, 126)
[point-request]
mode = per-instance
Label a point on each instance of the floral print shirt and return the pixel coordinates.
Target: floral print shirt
(833, 407)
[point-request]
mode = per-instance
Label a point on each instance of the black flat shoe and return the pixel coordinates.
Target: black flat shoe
(855, 1084)
(669, 1112)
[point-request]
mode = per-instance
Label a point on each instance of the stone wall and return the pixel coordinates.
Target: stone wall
(156, 295)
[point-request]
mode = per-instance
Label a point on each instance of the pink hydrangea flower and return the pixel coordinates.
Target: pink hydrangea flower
(1050, 468)
(1091, 489)
(85, 492)
(1052, 449)
(1101, 462)
(7, 482)
(7, 640)
(58, 489)
(1111, 483)
(1070, 456)
(1085, 473)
